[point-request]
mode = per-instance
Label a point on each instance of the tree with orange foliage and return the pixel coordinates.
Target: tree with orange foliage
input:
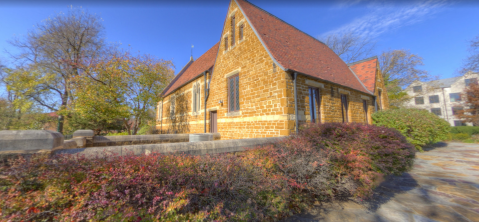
(470, 97)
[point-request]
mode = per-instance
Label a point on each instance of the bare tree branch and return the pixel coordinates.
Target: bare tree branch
(350, 46)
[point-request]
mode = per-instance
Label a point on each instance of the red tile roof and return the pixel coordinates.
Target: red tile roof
(193, 69)
(298, 51)
(366, 71)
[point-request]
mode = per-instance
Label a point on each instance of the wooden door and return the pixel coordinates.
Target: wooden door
(214, 122)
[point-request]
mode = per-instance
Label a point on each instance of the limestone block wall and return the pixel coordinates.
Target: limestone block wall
(261, 85)
(330, 107)
(266, 93)
(184, 120)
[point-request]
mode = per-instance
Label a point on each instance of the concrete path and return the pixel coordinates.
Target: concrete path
(443, 186)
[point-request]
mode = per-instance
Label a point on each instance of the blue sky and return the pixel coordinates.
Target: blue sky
(437, 30)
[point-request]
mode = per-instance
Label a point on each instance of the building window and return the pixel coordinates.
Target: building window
(419, 100)
(456, 110)
(380, 105)
(436, 111)
(196, 97)
(434, 99)
(417, 89)
(344, 108)
(241, 32)
(332, 92)
(226, 43)
(314, 105)
(160, 111)
(365, 109)
(274, 67)
(172, 105)
(232, 31)
(233, 93)
(458, 123)
(469, 81)
(455, 97)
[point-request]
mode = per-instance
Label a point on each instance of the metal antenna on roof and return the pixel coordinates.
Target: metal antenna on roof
(192, 46)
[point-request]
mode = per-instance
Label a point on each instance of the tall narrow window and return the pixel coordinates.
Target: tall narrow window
(365, 108)
(172, 105)
(194, 97)
(160, 111)
(233, 31)
(344, 108)
(198, 97)
(233, 93)
(241, 32)
(226, 43)
(314, 105)
(380, 100)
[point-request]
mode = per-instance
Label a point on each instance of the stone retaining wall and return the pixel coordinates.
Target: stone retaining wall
(193, 148)
(142, 139)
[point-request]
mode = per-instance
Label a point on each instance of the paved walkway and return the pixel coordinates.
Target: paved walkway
(443, 186)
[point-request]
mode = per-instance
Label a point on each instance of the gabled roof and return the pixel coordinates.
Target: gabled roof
(444, 83)
(295, 50)
(193, 69)
(366, 71)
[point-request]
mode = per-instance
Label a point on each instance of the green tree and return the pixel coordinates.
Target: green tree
(122, 87)
(51, 57)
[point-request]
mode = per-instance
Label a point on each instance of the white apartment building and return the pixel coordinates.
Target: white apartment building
(441, 97)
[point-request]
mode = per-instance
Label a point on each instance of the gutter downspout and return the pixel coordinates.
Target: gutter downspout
(296, 103)
(206, 97)
(445, 104)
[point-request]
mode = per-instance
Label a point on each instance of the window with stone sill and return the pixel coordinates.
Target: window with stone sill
(233, 30)
(344, 108)
(436, 111)
(241, 28)
(417, 89)
(434, 99)
(160, 111)
(196, 98)
(455, 97)
(226, 43)
(172, 106)
(314, 105)
(233, 93)
(419, 100)
(456, 110)
(470, 81)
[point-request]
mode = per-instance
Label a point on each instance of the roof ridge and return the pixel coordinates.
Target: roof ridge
(178, 75)
(285, 22)
(362, 60)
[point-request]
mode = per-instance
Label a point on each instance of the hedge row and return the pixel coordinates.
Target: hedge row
(323, 161)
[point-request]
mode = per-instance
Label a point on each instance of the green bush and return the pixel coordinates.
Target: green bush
(459, 136)
(471, 130)
(420, 127)
(118, 134)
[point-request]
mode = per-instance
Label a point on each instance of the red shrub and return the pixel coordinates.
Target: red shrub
(322, 161)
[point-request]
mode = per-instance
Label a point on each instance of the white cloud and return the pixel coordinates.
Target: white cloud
(383, 17)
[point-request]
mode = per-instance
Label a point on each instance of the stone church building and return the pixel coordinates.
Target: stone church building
(266, 78)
